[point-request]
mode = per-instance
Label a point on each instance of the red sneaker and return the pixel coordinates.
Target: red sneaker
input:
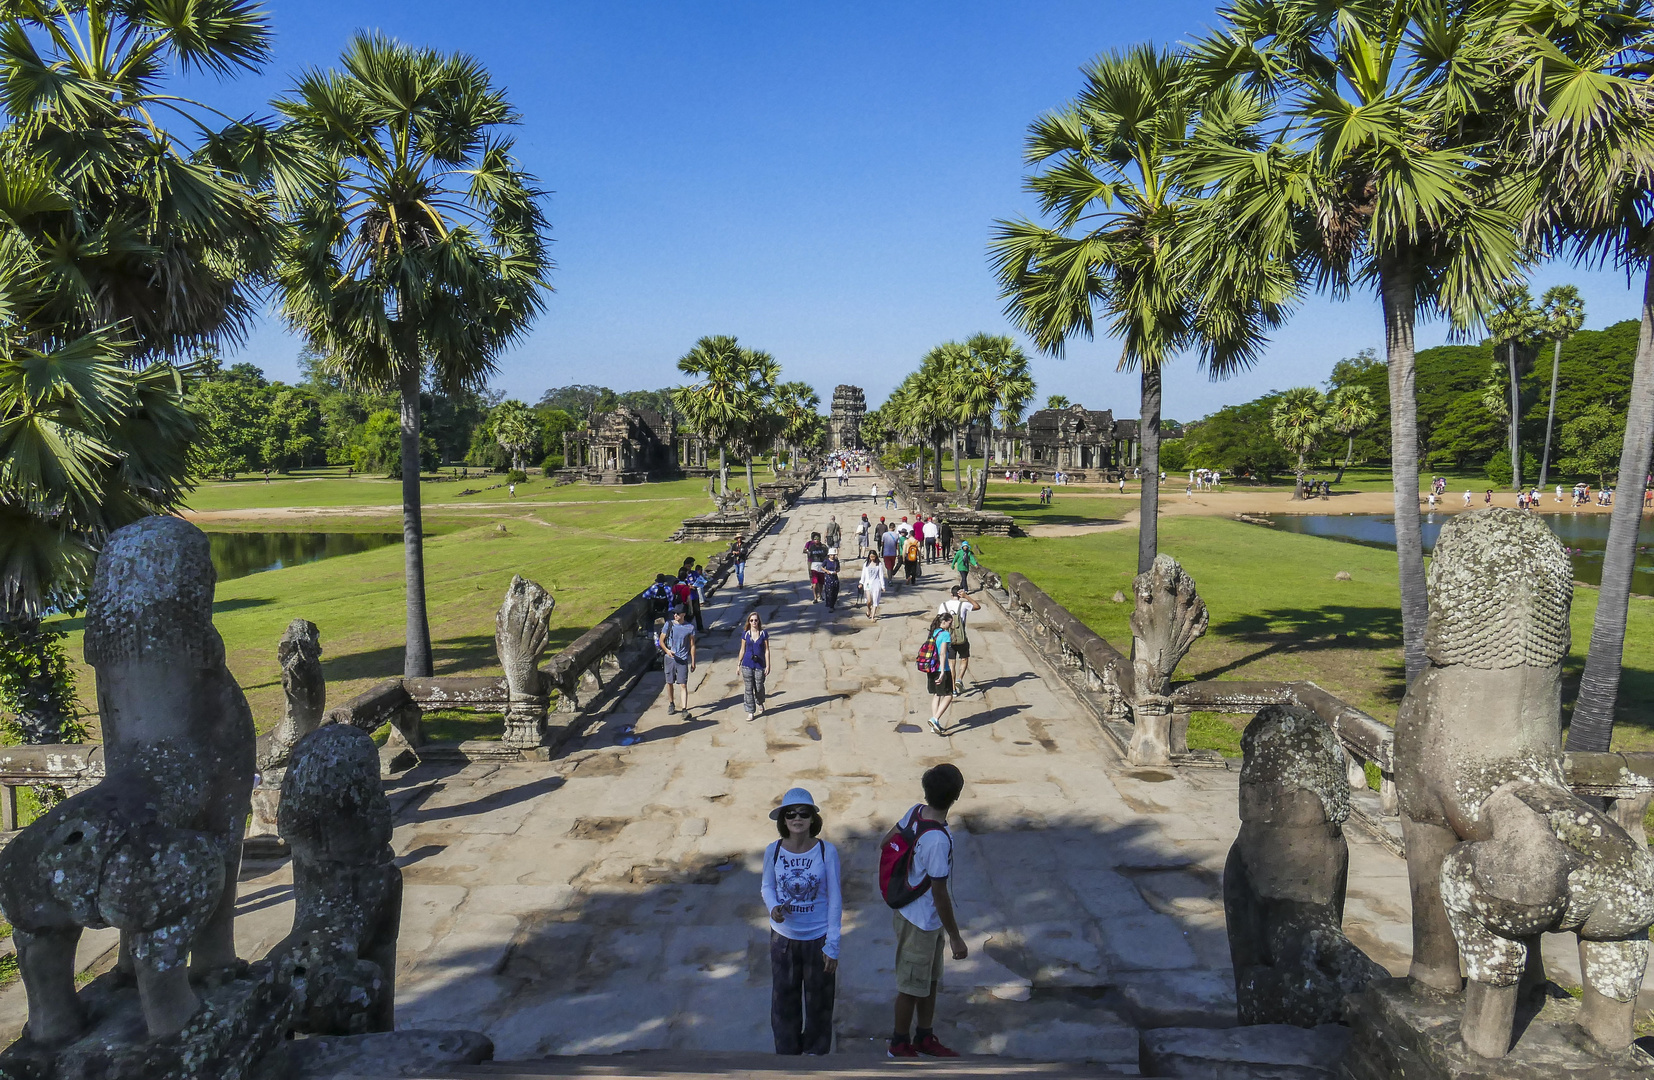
(932, 1046)
(902, 1050)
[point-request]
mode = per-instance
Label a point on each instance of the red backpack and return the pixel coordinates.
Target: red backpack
(896, 861)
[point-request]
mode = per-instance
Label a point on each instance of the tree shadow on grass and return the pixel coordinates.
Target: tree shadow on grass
(1324, 629)
(450, 656)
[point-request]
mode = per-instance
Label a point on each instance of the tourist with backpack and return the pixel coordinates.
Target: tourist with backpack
(911, 551)
(963, 560)
(934, 661)
(802, 893)
(677, 646)
(915, 863)
(959, 605)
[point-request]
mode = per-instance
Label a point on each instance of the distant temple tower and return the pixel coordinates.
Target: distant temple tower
(844, 424)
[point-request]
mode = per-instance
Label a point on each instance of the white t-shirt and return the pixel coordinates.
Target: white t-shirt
(809, 885)
(961, 613)
(933, 858)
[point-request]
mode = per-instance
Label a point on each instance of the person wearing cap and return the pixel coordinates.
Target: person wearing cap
(806, 905)
(677, 646)
(829, 578)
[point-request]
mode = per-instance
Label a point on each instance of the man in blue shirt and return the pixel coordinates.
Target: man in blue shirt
(677, 643)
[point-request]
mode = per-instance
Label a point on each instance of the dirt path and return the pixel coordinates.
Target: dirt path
(1235, 502)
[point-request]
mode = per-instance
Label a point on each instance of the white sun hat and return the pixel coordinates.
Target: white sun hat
(794, 797)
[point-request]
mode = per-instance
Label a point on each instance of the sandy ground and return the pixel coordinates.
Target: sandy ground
(1174, 503)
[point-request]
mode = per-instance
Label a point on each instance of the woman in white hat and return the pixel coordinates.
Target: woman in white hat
(829, 578)
(801, 891)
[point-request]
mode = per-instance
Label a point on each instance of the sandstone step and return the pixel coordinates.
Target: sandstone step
(688, 1065)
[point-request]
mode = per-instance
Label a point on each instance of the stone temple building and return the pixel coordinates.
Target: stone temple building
(844, 423)
(1077, 440)
(630, 446)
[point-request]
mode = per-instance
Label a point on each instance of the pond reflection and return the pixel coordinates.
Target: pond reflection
(1585, 536)
(238, 554)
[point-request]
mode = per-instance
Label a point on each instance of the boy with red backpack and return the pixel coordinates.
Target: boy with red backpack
(915, 861)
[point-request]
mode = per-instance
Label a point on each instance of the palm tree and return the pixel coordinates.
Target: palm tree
(418, 248)
(797, 408)
(1297, 421)
(1114, 186)
(728, 406)
(516, 429)
(1349, 410)
(1376, 169)
(1056, 401)
(122, 248)
(1514, 322)
(996, 379)
(1564, 311)
(1583, 124)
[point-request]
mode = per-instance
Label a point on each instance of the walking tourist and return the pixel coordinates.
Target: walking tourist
(1467, 496)
(823, 487)
(963, 560)
(814, 552)
(936, 661)
(944, 535)
(738, 555)
(910, 559)
(801, 889)
(959, 605)
(875, 493)
(925, 912)
(677, 643)
(889, 551)
(872, 585)
(863, 529)
(834, 533)
(755, 664)
(933, 540)
(829, 578)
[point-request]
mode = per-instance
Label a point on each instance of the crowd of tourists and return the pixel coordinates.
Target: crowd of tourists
(802, 881)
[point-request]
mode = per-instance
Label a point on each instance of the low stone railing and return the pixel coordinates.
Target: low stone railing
(962, 520)
(1101, 677)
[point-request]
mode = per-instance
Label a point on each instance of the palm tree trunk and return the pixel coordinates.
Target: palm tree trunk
(1148, 525)
(1396, 290)
(1515, 419)
(752, 486)
(936, 450)
(416, 655)
(1550, 415)
(1298, 480)
(957, 485)
(1593, 722)
(723, 471)
(1349, 452)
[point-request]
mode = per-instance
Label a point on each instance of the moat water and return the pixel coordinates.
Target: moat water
(1584, 535)
(239, 554)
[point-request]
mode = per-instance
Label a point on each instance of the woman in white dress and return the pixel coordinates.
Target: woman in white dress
(872, 586)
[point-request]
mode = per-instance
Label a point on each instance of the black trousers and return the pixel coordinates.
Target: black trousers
(801, 1001)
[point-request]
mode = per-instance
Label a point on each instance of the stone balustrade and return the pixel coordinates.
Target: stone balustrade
(1101, 677)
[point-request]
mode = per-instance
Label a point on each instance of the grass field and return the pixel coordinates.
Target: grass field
(330, 488)
(591, 553)
(1277, 614)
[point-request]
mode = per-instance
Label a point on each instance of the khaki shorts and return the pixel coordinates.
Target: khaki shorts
(918, 958)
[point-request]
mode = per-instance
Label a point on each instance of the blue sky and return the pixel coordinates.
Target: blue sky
(819, 180)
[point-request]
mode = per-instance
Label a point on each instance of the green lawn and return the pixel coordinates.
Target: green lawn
(1277, 613)
(592, 556)
(326, 488)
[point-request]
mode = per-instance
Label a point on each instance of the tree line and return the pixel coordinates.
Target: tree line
(1463, 415)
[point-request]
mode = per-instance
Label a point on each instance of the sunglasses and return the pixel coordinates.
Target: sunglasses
(798, 815)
